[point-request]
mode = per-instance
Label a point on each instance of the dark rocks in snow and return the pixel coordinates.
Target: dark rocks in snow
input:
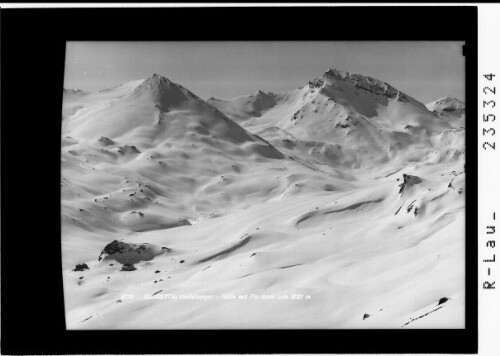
(316, 83)
(413, 207)
(80, 267)
(157, 271)
(366, 316)
(182, 261)
(343, 126)
(408, 181)
(128, 267)
(112, 248)
(104, 141)
(448, 105)
(296, 116)
(410, 206)
(369, 85)
(126, 149)
(443, 300)
(351, 120)
(397, 211)
(402, 97)
(141, 214)
(128, 253)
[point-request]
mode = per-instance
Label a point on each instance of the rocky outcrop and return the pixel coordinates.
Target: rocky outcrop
(447, 105)
(443, 300)
(126, 149)
(413, 207)
(104, 141)
(408, 181)
(128, 267)
(372, 85)
(80, 267)
(130, 253)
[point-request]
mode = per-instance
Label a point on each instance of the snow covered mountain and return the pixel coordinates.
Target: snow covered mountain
(341, 119)
(450, 110)
(147, 145)
(155, 110)
(346, 191)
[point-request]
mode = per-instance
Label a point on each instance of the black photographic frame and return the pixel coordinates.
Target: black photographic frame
(33, 54)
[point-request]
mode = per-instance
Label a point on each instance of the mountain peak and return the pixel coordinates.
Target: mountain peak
(155, 80)
(336, 73)
(449, 100)
(260, 93)
(336, 78)
(164, 92)
(157, 76)
(360, 80)
(447, 104)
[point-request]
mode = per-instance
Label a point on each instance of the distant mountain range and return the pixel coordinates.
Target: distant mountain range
(345, 189)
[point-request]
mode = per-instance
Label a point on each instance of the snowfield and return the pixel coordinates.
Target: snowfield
(340, 204)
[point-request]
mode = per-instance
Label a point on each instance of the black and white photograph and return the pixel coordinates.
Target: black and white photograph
(249, 178)
(263, 185)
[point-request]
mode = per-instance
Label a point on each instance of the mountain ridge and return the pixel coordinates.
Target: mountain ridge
(276, 194)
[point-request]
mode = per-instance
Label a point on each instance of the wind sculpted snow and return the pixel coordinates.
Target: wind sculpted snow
(339, 204)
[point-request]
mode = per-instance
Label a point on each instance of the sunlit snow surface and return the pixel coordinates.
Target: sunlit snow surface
(336, 205)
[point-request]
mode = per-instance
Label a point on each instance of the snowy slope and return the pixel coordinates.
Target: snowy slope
(346, 119)
(345, 191)
(450, 110)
